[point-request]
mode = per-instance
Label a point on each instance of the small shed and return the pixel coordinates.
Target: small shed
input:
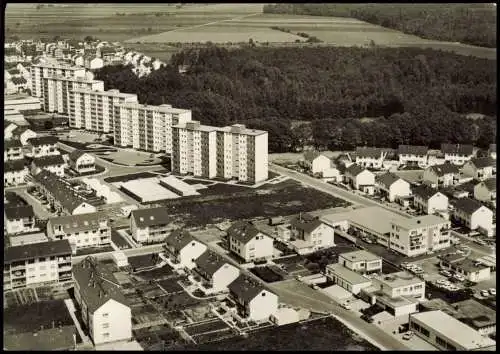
(285, 316)
(120, 259)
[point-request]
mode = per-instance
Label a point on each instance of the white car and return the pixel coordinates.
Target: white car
(493, 291)
(485, 293)
(346, 306)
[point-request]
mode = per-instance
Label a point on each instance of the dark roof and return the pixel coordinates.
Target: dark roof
(97, 284)
(179, 239)
(387, 179)
(425, 192)
(11, 144)
(13, 71)
(445, 169)
(43, 140)
(310, 155)
(7, 124)
(76, 154)
(368, 152)
(13, 199)
(242, 231)
(151, 217)
(493, 148)
(467, 205)
(59, 338)
(80, 222)
(36, 250)
(105, 50)
(19, 130)
(19, 212)
(210, 262)
(490, 184)
(412, 150)
(457, 149)
(49, 160)
(245, 288)
(18, 80)
(14, 165)
(482, 162)
(306, 222)
(354, 169)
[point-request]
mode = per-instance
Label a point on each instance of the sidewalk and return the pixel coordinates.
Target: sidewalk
(71, 308)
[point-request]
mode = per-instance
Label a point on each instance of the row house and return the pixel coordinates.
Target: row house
(457, 154)
(392, 187)
(216, 273)
(429, 200)
(370, 157)
(52, 163)
(247, 242)
(12, 150)
(105, 311)
(183, 249)
(15, 173)
(313, 231)
(19, 219)
(81, 161)
(360, 178)
(486, 191)
(82, 231)
(37, 264)
(150, 225)
(479, 168)
(42, 146)
(412, 155)
(439, 176)
(473, 215)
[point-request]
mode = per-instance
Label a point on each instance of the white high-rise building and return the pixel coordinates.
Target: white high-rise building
(41, 70)
(96, 110)
(57, 91)
(148, 127)
(227, 152)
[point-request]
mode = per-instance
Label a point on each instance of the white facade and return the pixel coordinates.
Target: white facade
(479, 173)
(42, 150)
(55, 169)
(399, 188)
(189, 253)
(111, 322)
(84, 208)
(416, 236)
(84, 163)
(259, 247)
(320, 164)
(483, 193)
(93, 63)
(263, 306)
(224, 276)
(25, 135)
(20, 225)
(319, 236)
(365, 178)
(346, 278)
(400, 284)
(438, 202)
(361, 262)
(431, 178)
(22, 104)
(14, 178)
(482, 219)
(41, 70)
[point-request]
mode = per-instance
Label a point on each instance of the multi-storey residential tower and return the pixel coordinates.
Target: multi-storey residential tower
(41, 70)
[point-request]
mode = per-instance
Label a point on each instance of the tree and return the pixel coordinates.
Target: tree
(89, 39)
(48, 125)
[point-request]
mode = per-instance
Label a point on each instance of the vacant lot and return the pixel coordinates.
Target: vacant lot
(266, 274)
(143, 262)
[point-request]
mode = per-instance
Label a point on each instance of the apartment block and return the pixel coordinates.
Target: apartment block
(45, 263)
(150, 225)
(147, 127)
(96, 110)
(57, 91)
(42, 70)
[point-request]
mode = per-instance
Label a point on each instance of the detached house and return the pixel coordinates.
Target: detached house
(412, 155)
(253, 302)
(392, 186)
(52, 163)
(183, 249)
(23, 134)
(81, 162)
(105, 310)
(439, 176)
(370, 157)
(82, 231)
(216, 273)
(14, 173)
(313, 231)
(19, 219)
(360, 179)
(429, 200)
(315, 162)
(473, 215)
(12, 150)
(249, 243)
(480, 168)
(150, 225)
(43, 146)
(457, 154)
(486, 191)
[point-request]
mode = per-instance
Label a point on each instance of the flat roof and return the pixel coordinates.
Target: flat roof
(398, 279)
(361, 255)
(419, 221)
(148, 189)
(115, 93)
(347, 274)
(195, 127)
(180, 185)
(452, 328)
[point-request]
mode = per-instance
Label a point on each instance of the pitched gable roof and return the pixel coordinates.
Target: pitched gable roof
(483, 162)
(354, 170)
(179, 239)
(97, 284)
(49, 160)
(77, 223)
(372, 152)
(150, 217)
(36, 250)
(467, 205)
(19, 212)
(387, 179)
(11, 144)
(14, 165)
(43, 140)
(245, 288)
(76, 154)
(490, 184)
(412, 150)
(444, 169)
(210, 262)
(242, 231)
(457, 149)
(306, 223)
(424, 192)
(310, 155)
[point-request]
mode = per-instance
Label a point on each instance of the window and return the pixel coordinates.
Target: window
(105, 315)
(440, 341)
(424, 331)
(105, 325)
(105, 335)
(41, 259)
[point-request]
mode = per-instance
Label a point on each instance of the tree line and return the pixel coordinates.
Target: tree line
(329, 97)
(465, 23)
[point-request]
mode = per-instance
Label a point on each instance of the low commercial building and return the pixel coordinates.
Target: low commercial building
(42, 146)
(479, 168)
(81, 162)
(348, 279)
(183, 249)
(400, 284)
(247, 242)
(486, 191)
(361, 261)
(447, 333)
(412, 155)
(392, 187)
(150, 225)
(473, 215)
(82, 231)
(313, 231)
(12, 150)
(52, 163)
(360, 178)
(19, 219)
(429, 200)
(14, 173)
(215, 271)
(105, 310)
(473, 270)
(253, 302)
(38, 264)
(439, 176)
(457, 154)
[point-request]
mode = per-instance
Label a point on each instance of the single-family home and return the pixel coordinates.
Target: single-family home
(52, 163)
(361, 261)
(82, 231)
(346, 278)
(370, 157)
(150, 224)
(19, 219)
(253, 301)
(493, 151)
(81, 162)
(313, 231)
(42, 146)
(215, 271)
(315, 162)
(12, 150)
(439, 176)
(479, 168)
(14, 172)
(23, 134)
(429, 200)
(457, 154)
(360, 178)
(93, 63)
(472, 214)
(104, 309)
(412, 155)
(8, 129)
(486, 191)
(183, 248)
(392, 186)
(246, 241)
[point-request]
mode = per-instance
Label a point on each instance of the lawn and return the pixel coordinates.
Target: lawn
(170, 286)
(143, 262)
(118, 240)
(266, 274)
(216, 325)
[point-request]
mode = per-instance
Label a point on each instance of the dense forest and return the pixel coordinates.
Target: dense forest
(334, 98)
(474, 24)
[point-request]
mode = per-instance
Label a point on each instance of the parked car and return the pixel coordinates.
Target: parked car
(408, 335)
(493, 291)
(485, 293)
(367, 318)
(346, 306)
(445, 273)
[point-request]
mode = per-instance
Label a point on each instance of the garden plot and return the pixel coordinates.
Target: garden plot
(170, 286)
